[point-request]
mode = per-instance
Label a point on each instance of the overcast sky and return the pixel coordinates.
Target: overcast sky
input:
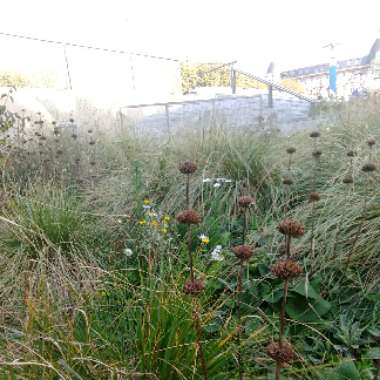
(291, 33)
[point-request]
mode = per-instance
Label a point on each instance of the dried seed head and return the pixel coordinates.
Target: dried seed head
(371, 142)
(314, 196)
(287, 181)
(291, 150)
(317, 153)
(187, 167)
(92, 163)
(348, 179)
(90, 131)
(243, 252)
(92, 142)
(283, 353)
(74, 136)
(369, 167)
(71, 120)
(59, 152)
(351, 153)
(193, 287)
(286, 269)
(246, 201)
(189, 217)
(315, 134)
(291, 227)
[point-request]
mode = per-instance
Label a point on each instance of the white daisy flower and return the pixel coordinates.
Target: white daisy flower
(216, 254)
(128, 252)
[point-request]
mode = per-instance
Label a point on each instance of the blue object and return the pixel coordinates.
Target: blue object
(332, 81)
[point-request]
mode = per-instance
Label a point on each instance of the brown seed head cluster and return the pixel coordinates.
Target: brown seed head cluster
(315, 134)
(187, 167)
(317, 153)
(287, 181)
(243, 252)
(369, 167)
(348, 179)
(283, 353)
(246, 201)
(189, 217)
(314, 196)
(290, 150)
(291, 227)
(193, 287)
(287, 269)
(371, 142)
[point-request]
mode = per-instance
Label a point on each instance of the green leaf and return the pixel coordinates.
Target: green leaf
(306, 310)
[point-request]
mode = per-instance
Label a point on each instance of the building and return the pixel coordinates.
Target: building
(354, 76)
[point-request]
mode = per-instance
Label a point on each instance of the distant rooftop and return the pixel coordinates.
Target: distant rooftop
(341, 65)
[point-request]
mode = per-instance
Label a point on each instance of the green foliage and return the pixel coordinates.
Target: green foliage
(207, 75)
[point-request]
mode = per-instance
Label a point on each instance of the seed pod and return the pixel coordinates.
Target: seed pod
(193, 287)
(283, 353)
(315, 134)
(291, 227)
(187, 167)
(287, 181)
(369, 167)
(189, 217)
(348, 179)
(287, 269)
(317, 153)
(314, 196)
(371, 142)
(246, 201)
(243, 252)
(92, 142)
(291, 150)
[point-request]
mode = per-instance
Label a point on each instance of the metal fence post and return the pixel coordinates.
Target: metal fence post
(270, 96)
(167, 120)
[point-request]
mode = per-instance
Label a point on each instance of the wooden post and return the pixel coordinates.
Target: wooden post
(270, 96)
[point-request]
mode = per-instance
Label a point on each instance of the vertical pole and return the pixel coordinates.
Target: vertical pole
(167, 120)
(233, 80)
(67, 68)
(270, 96)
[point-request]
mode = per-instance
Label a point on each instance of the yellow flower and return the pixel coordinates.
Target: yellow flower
(166, 218)
(147, 202)
(164, 230)
(154, 223)
(204, 239)
(142, 222)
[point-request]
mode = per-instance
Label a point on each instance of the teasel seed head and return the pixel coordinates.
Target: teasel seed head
(187, 167)
(189, 217)
(371, 142)
(92, 142)
(291, 150)
(314, 196)
(315, 134)
(368, 167)
(291, 228)
(287, 181)
(287, 269)
(317, 153)
(246, 201)
(193, 287)
(347, 179)
(283, 353)
(243, 252)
